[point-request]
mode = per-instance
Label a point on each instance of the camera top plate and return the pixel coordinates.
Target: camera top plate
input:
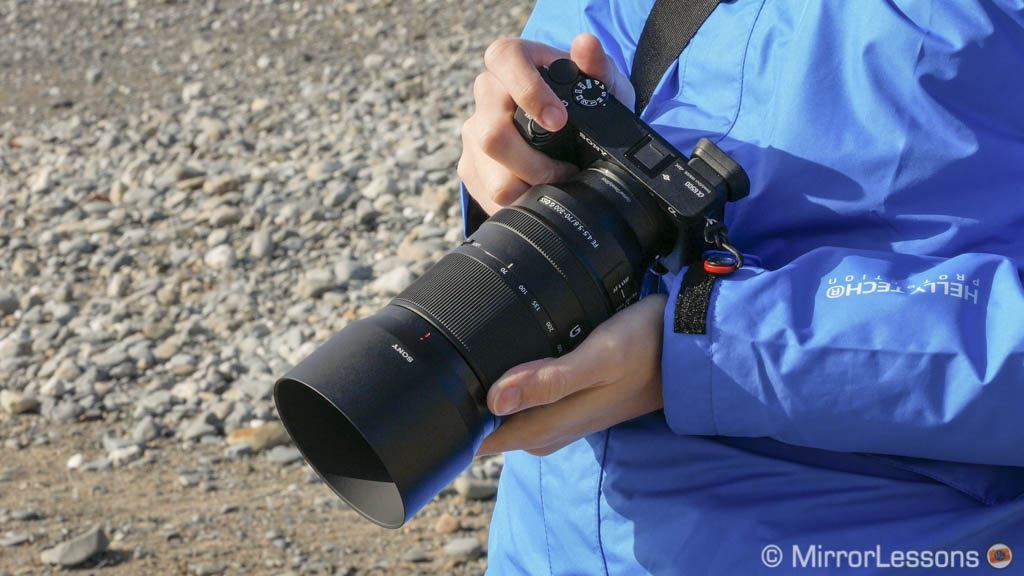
(601, 127)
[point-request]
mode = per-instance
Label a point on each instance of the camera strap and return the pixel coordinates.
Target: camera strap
(669, 28)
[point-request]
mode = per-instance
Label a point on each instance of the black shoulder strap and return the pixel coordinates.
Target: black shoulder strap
(669, 28)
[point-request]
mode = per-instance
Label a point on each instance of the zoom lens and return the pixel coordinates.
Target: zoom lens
(394, 406)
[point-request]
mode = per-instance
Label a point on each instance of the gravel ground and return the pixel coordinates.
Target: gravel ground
(193, 196)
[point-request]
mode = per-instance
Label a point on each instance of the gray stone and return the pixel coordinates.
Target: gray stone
(444, 159)
(222, 256)
(393, 282)
(224, 216)
(217, 237)
(78, 549)
(220, 185)
(283, 455)
(126, 455)
(17, 402)
(16, 344)
(380, 185)
(8, 304)
(316, 282)
(463, 548)
(206, 424)
(346, 270)
(475, 489)
(12, 539)
(97, 465)
(320, 171)
(261, 245)
(110, 357)
(415, 554)
(145, 430)
(118, 285)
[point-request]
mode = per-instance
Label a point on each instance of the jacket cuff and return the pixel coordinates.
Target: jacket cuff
(686, 370)
(472, 214)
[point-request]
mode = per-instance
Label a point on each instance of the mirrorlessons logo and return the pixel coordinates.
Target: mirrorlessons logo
(998, 556)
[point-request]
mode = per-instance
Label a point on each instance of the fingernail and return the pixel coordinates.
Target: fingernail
(507, 401)
(552, 117)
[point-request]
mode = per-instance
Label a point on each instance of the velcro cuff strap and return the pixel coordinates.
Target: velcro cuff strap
(693, 301)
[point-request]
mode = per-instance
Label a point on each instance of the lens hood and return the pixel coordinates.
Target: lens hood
(386, 412)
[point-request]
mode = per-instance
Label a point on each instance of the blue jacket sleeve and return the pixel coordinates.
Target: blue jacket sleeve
(859, 351)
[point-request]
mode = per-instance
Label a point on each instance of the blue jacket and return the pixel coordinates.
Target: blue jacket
(861, 387)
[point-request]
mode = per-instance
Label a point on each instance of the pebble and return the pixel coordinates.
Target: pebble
(393, 282)
(446, 524)
(17, 403)
(145, 430)
(259, 438)
(12, 539)
(78, 549)
(415, 554)
(463, 548)
(220, 185)
(126, 455)
(225, 216)
(346, 270)
(316, 282)
(475, 489)
(8, 304)
(283, 455)
(379, 186)
(261, 245)
(222, 256)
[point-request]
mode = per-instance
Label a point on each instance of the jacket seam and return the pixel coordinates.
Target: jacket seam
(743, 70)
(600, 488)
(543, 517)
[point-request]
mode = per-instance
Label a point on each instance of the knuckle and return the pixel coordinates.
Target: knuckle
(503, 194)
(498, 51)
(550, 171)
(480, 86)
(532, 92)
(492, 139)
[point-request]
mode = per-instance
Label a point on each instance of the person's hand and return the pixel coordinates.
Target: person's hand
(497, 165)
(613, 376)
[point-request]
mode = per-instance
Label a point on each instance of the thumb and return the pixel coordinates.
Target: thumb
(592, 60)
(549, 380)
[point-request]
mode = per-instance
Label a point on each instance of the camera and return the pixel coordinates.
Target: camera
(393, 407)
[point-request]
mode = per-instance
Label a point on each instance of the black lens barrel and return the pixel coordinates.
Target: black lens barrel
(394, 406)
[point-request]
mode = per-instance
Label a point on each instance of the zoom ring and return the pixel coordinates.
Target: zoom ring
(489, 323)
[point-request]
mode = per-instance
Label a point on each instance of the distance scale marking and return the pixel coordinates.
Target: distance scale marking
(532, 303)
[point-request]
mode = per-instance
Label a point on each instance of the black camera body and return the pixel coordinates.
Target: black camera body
(393, 407)
(599, 127)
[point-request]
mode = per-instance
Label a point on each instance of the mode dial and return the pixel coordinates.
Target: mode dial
(590, 93)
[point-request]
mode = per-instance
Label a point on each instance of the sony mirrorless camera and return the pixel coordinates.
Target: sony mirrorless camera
(393, 407)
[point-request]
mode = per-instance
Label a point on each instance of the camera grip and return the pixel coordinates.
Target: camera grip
(557, 145)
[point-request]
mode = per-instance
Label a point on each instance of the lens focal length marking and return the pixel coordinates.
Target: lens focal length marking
(520, 289)
(571, 218)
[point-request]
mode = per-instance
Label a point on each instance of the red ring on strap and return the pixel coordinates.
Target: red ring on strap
(720, 266)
